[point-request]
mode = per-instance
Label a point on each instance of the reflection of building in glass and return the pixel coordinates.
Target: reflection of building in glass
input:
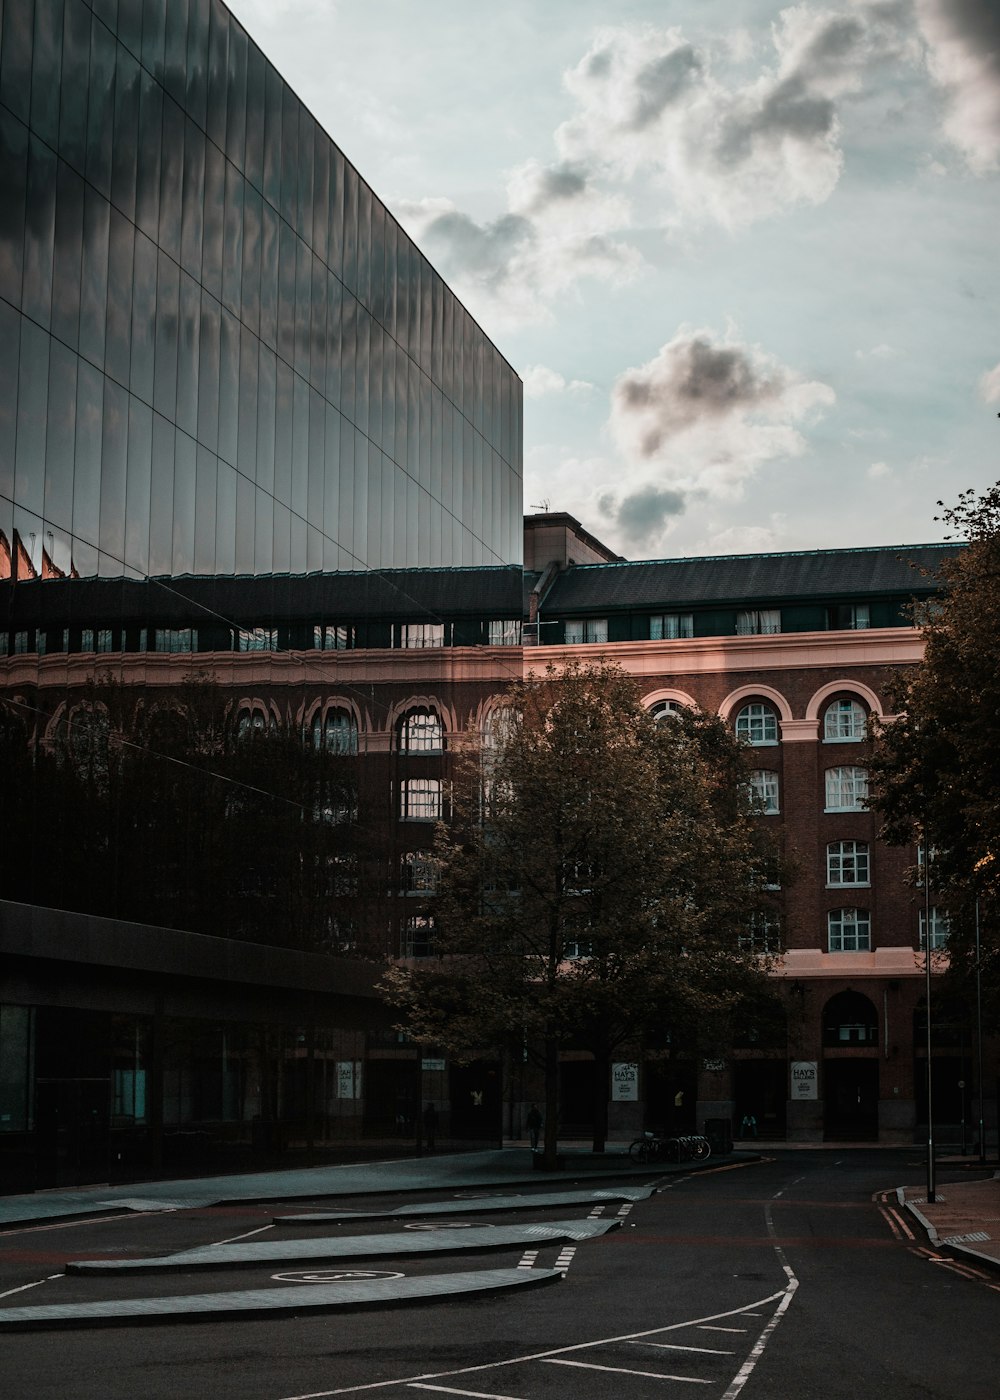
(219, 353)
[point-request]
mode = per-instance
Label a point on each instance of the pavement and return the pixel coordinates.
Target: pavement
(963, 1219)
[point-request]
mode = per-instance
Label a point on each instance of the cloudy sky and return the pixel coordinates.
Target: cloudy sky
(744, 254)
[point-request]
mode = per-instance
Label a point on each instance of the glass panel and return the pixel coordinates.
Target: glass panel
(218, 71)
(300, 447)
(361, 495)
(269, 276)
(39, 232)
(214, 221)
(263, 556)
(167, 300)
(320, 236)
(289, 155)
(362, 370)
(137, 489)
(303, 293)
(317, 330)
(306, 142)
(254, 166)
(46, 70)
(286, 293)
(345, 520)
(229, 375)
(143, 319)
(73, 88)
(14, 183)
(283, 433)
(59, 436)
(208, 372)
(348, 352)
(113, 463)
(94, 276)
(390, 274)
(197, 60)
(331, 489)
(267, 372)
(272, 137)
(171, 178)
(161, 512)
(350, 276)
(124, 148)
(317, 449)
(252, 215)
(336, 219)
(68, 253)
(364, 289)
(29, 477)
(10, 346)
(236, 95)
(154, 24)
(175, 49)
(147, 193)
(185, 475)
(100, 108)
(334, 294)
(281, 558)
(232, 246)
(87, 468)
(204, 520)
(193, 214)
(246, 449)
(15, 56)
(225, 531)
(189, 342)
(376, 262)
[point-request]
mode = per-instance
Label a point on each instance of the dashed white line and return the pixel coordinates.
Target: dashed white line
(723, 1329)
(528, 1259)
(676, 1346)
(233, 1238)
(477, 1394)
(623, 1371)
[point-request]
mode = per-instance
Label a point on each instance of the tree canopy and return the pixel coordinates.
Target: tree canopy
(935, 770)
(598, 883)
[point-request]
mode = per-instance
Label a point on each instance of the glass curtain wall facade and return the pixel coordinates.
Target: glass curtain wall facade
(219, 353)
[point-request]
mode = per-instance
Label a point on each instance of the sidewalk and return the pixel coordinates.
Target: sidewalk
(964, 1219)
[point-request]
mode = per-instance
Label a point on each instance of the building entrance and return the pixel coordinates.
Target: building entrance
(850, 1092)
(761, 1094)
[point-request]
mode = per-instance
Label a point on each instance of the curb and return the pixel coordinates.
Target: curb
(960, 1251)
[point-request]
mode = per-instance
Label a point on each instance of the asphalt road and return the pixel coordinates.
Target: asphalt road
(786, 1280)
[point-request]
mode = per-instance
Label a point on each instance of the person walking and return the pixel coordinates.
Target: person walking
(534, 1122)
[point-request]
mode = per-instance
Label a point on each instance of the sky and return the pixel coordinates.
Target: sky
(745, 255)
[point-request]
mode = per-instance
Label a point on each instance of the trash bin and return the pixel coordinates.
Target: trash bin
(719, 1132)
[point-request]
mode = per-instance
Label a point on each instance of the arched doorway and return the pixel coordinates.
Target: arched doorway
(850, 1067)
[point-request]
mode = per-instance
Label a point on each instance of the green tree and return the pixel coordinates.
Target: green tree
(935, 770)
(597, 883)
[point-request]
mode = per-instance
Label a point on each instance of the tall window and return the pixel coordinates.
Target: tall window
(757, 621)
(256, 639)
(421, 731)
(253, 719)
(420, 799)
(844, 721)
(333, 636)
(853, 617)
(849, 931)
(846, 789)
(763, 933)
(586, 629)
(418, 873)
(417, 936)
(166, 639)
(671, 625)
(939, 929)
(757, 724)
(847, 863)
(764, 790)
(419, 634)
(505, 633)
(336, 731)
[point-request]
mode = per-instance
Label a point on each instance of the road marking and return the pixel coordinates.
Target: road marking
(25, 1286)
(88, 1220)
(781, 1294)
(598, 1211)
(625, 1209)
(623, 1371)
(902, 1224)
(477, 1394)
(233, 1238)
(565, 1257)
(722, 1329)
(528, 1259)
(676, 1346)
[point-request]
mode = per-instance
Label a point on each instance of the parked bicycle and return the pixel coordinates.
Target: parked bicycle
(654, 1147)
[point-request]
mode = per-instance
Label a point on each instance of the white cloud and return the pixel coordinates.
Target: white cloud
(963, 55)
(989, 385)
(709, 410)
(877, 352)
(647, 99)
(878, 470)
(539, 380)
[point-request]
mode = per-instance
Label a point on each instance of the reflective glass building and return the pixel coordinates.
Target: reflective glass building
(219, 353)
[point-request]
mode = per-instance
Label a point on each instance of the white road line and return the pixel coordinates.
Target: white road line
(87, 1220)
(746, 1370)
(538, 1355)
(25, 1286)
(741, 1330)
(597, 1211)
(676, 1346)
(528, 1259)
(477, 1394)
(623, 1371)
(233, 1238)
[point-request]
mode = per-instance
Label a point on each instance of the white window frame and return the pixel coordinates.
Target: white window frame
(849, 931)
(846, 789)
(421, 731)
(845, 858)
(581, 631)
(663, 709)
(764, 786)
(671, 626)
(419, 634)
(845, 722)
(758, 622)
(757, 725)
(940, 929)
(417, 931)
(763, 933)
(504, 632)
(421, 800)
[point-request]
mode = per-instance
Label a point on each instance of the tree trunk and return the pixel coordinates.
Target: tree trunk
(551, 1138)
(602, 1062)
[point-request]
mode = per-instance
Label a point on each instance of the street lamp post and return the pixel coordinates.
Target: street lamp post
(931, 1195)
(979, 1040)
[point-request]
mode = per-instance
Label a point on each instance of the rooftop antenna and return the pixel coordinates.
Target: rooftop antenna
(542, 505)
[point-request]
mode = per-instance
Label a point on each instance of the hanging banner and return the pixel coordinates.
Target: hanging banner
(348, 1079)
(805, 1079)
(624, 1083)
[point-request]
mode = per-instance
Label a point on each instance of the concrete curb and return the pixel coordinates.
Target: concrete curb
(960, 1251)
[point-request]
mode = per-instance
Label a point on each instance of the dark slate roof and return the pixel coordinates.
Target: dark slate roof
(735, 579)
(397, 594)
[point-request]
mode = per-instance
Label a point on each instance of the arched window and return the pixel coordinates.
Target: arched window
(849, 931)
(663, 709)
(846, 789)
(336, 731)
(850, 1019)
(764, 790)
(757, 724)
(421, 731)
(253, 719)
(847, 863)
(845, 722)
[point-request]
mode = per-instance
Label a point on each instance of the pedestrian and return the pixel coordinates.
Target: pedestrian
(430, 1126)
(534, 1122)
(748, 1128)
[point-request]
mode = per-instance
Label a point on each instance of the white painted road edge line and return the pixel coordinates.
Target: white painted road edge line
(746, 1370)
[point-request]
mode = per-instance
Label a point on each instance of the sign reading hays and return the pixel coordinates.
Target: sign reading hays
(624, 1083)
(805, 1079)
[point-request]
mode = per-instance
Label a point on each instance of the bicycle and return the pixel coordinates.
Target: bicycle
(654, 1147)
